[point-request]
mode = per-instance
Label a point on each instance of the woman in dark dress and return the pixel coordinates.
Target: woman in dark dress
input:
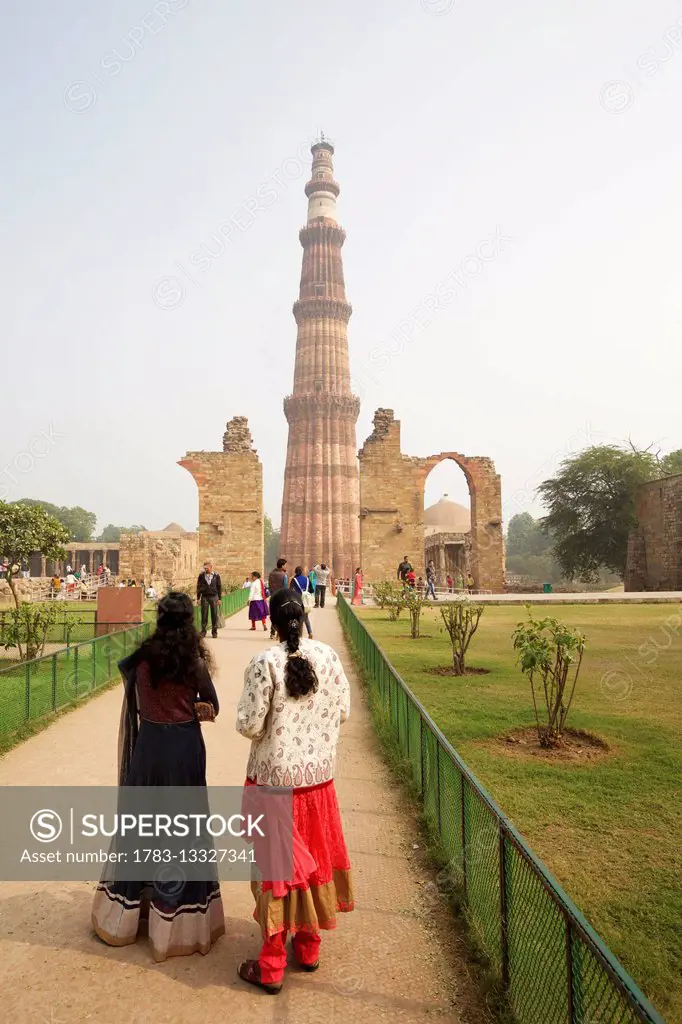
(167, 687)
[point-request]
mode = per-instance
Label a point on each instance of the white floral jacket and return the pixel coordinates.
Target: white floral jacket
(293, 738)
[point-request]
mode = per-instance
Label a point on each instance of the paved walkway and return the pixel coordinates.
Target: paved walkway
(387, 961)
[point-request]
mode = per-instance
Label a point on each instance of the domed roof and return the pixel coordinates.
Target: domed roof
(446, 517)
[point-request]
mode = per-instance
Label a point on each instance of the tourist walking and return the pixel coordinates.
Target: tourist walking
(357, 588)
(470, 583)
(300, 584)
(411, 579)
(312, 576)
(448, 580)
(322, 574)
(403, 569)
(258, 605)
(431, 581)
(295, 697)
(277, 580)
(167, 688)
(209, 594)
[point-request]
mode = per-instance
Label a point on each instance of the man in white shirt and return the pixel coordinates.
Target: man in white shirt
(322, 574)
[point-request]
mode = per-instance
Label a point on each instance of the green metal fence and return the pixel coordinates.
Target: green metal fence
(553, 966)
(32, 690)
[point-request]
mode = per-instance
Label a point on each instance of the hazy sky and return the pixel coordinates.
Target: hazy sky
(134, 131)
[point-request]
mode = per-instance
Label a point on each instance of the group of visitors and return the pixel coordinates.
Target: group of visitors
(410, 580)
(295, 698)
(310, 587)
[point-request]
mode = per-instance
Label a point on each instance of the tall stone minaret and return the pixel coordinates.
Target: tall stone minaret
(321, 503)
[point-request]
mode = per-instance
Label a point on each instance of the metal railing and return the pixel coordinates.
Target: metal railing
(32, 690)
(552, 965)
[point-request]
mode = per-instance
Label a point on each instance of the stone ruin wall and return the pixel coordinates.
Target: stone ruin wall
(231, 516)
(163, 559)
(654, 560)
(392, 507)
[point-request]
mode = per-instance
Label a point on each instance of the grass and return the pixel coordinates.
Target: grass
(608, 830)
(30, 692)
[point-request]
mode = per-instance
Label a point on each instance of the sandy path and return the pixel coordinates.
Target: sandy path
(382, 963)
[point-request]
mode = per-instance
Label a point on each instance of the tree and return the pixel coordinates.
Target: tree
(112, 534)
(80, 523)
(591, 503)
(671, 464)
(551, 651)
(415, 601)
(271, 538)
(27, 528)
(526, 536)
(460, 621)
(28, 627)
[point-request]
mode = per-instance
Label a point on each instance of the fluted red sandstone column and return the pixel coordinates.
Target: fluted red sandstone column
(321, 502)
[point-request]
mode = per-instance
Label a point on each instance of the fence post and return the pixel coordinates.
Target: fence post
(75, 670)
(464, 837)
(440, 821)
(94, 664)
(109, 654)
(421, 751)
(28, 690)
(54, 682)
(569, 967)
(504, 936)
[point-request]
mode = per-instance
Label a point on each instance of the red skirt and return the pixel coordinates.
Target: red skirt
(321, 883)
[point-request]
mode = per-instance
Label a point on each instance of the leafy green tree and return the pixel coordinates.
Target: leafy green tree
(526, 536)
(550, 655)
(112, 534)
(27, 528)
(28, 627)
(460, 622)
(591, 503)
(80, 523)
(271, 538)
(671, 464)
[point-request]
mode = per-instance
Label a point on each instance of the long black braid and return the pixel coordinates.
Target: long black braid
(287, 615)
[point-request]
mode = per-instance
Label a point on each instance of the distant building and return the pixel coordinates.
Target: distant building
(447, 537)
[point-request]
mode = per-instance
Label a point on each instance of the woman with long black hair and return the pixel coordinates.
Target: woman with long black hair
(168, 690)
(295, 697)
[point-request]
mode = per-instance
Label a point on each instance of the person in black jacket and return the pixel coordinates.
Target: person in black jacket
(209, 593)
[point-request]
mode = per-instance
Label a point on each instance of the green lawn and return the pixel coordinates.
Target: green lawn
(610, 831)
(30, 691)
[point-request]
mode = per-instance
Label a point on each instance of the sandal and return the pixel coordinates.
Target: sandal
(310, 967)
(249, 971)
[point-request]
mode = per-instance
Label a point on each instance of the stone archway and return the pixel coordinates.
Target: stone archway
(392, 507)
(485, 495)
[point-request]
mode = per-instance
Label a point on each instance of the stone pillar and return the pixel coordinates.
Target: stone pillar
(230, 503)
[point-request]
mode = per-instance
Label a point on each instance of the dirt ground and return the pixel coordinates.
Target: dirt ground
(392, 959)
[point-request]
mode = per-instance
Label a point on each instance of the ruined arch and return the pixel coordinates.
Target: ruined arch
(392, 506)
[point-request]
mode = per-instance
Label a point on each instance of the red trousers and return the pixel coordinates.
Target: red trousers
(273, 955)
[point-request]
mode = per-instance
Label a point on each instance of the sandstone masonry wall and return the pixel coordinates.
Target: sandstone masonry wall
(392, 507)
(230, 503)
(655, 547)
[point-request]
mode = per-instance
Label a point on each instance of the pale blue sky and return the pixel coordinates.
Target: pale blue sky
(448, 127)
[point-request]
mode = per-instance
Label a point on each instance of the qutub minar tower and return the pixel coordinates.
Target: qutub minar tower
(321, 502)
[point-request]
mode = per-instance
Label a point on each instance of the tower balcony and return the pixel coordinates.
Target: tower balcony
(322, 185)
(321, 308)
(322, 230)
(315, 404)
